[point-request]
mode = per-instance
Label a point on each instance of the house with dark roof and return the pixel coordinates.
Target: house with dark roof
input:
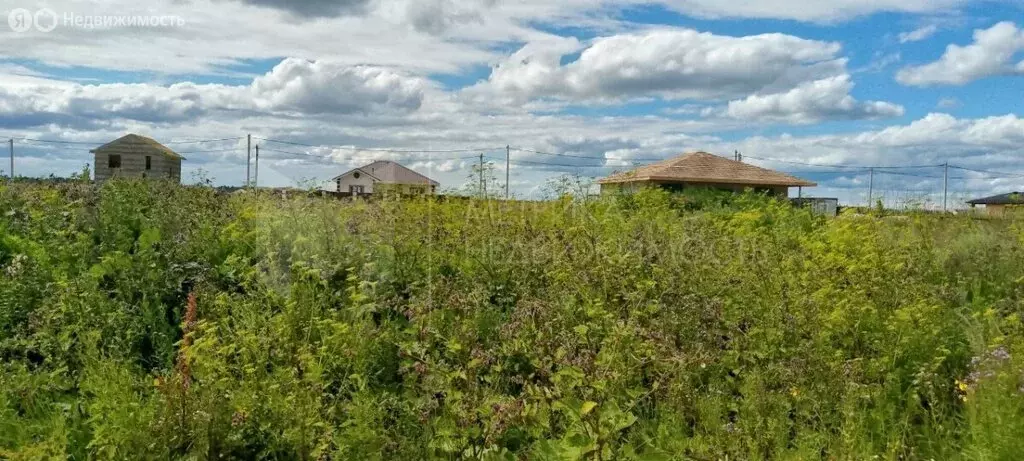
(704, 170)
(999, 205)
(134, 156)
(384, 176)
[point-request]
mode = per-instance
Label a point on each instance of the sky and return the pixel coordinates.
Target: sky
(821, 90)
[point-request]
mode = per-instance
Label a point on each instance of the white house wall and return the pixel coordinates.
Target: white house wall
(350, 179)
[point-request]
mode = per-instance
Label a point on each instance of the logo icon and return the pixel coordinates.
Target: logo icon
(46, 20)
(20, 19)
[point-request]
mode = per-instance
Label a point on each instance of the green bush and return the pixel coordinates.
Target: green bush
(649, 326)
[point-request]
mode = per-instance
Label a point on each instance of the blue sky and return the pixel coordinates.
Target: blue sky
(617, 82)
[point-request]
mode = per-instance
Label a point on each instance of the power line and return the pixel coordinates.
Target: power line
(833, 171)
(844, 168)
(529, 162)
(534, 151)
(317, 151)
(838, 166)
(520, 149)
(1013, 175)
(54, 141)
(378, 149)
(71, 146)
(207, 151)
(327, 157)
(94, 143)
(205, 140)
(268, 149)
(767, 159)
(898, 173)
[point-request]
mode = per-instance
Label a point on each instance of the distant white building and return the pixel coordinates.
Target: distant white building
(384, 176)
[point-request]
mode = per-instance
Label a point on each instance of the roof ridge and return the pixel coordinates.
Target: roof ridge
(133, 140)
(392, 178)
(1008, 198)
(708, 168)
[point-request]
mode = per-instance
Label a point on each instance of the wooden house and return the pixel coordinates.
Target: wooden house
(134, 156)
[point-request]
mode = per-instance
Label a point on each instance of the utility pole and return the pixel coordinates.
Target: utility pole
(945, 184)
(481, 174)
(871, 184)
(248, 158)
(256, 174)
(508, 155)
(12, 157)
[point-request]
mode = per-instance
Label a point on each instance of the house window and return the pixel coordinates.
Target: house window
(338, 183)
(355, 190)
(113, 161)
(149, 163)
(355, 175)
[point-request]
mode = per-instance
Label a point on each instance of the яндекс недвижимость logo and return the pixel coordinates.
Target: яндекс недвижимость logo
(21, 20)
(46, 20)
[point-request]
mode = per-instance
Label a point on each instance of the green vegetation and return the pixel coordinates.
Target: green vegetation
(646, 327)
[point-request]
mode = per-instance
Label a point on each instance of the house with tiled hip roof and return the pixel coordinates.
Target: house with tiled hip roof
(703, 170)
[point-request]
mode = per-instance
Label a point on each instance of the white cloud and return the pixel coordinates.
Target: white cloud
(918, 34)
(880, 62)
(78, 105)
(316, 8)
(326, 87)
(420, 35)
(439, 166)
(990, 143)
(219, 35)
(991, 54)
(782, 78)
(825, 99)
(293, 86)
(933, 139)
(440, 16)
(819, 11)
(670, 63)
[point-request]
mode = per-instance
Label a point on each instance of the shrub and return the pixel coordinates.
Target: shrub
(651, 326)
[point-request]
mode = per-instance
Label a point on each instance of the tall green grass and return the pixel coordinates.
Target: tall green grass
(631, 327)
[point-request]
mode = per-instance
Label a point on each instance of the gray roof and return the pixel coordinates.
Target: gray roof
(389, 172)
(1012, 198)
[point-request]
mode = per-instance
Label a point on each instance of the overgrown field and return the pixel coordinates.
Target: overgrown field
(144, 321)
